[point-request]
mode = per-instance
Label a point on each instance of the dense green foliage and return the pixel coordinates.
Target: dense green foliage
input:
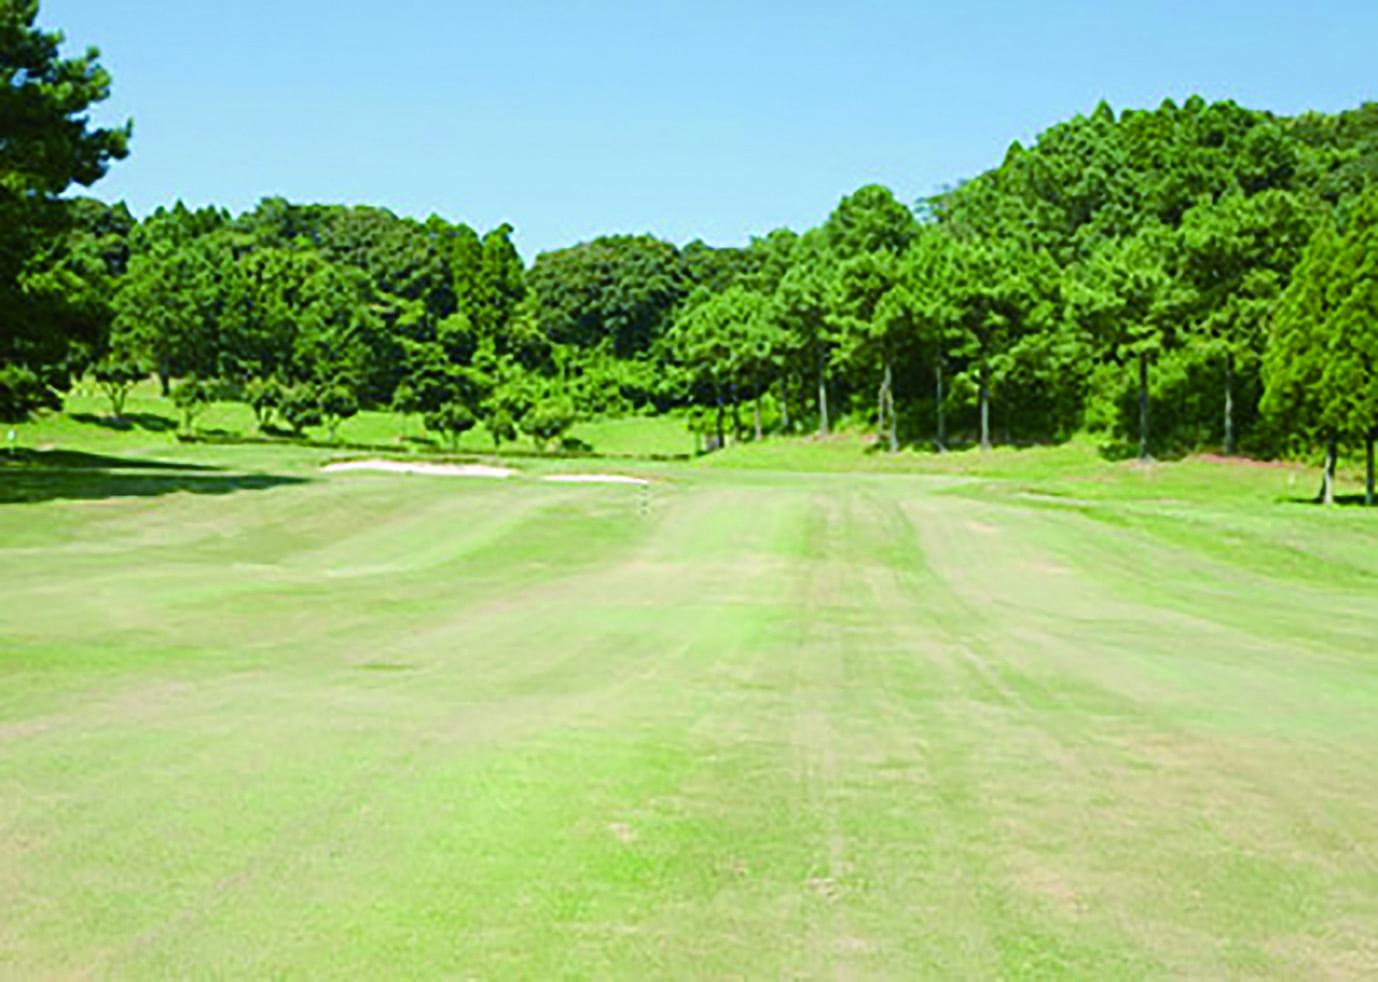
(1322, 365)
(1131, 274)
(54, 259)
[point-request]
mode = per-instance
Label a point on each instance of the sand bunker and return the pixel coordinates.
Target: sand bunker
(472, 470)
(436, 470)
(594, 479)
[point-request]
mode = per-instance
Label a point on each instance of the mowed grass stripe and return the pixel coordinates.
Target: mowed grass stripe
(524, 655)
(775, 725)
(1204, 724)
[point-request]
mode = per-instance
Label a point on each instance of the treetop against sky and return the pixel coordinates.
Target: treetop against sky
(715, 120)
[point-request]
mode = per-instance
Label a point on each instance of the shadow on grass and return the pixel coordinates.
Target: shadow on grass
(29, 476)
(276, 431)
(25, 457)
(1341, 500)
(151, 422)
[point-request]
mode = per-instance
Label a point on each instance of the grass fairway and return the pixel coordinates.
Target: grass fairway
(259, 722)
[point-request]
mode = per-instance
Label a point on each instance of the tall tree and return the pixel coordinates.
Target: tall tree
(1299, 390)
(1356, 318)
(865, 234)
(168, 308)
(1131, 299)
(869, 337)
(922, 306)
(869, 220)
(994, 301)
(618, 291)
(47, 144)
(503, 283)
(1321, 365)
(801, 308)
(1239, 253)
(722, 339)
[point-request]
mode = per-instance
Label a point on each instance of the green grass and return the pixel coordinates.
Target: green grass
(151, 421)
(1024, 715)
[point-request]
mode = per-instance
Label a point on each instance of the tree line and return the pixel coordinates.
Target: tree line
(1192, 276)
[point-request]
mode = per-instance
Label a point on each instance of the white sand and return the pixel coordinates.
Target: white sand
(437, 470)
(594, 479)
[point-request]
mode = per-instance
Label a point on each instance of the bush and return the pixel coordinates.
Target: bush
(505, 408)
(117, 375)
(337, 404)
(549, 420)
(22, 391)
(264, 396)
(501, 426)
(451, 421)
(300, 408)
(192, 396)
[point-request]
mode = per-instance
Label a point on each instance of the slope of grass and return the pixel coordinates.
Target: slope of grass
(150, 421)
(1074, 469)
(1064, 718)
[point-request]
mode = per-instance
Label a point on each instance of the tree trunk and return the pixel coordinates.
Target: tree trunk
(942, 410)
(822, 399)
(784, 403)
(1328, 475)
(1369, 475)
(887, 408)
(890, 410)
(760, 434)
(717, 394)
(985, 406)
(736, 415)
(1229, 404)
(880, 402)
(164, 381)
(1143, 405)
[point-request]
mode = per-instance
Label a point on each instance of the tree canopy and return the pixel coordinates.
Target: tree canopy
(46, 271)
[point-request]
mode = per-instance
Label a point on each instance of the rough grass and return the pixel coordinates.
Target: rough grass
(1025, 715)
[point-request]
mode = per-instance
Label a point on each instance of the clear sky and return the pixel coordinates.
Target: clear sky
(694, 119)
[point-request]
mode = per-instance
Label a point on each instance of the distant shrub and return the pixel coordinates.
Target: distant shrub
(549, 420)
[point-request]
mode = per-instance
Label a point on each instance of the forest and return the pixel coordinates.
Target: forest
(1194, 276)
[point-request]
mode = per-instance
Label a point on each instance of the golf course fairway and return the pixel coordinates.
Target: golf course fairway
(258, 720)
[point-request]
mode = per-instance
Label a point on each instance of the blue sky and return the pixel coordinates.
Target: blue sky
(713, 120)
